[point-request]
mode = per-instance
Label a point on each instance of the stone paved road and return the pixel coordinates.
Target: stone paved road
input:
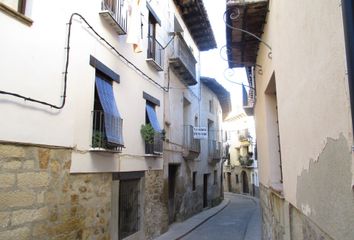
(240, 220)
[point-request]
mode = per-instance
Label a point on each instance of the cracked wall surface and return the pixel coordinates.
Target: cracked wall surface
(324, 191)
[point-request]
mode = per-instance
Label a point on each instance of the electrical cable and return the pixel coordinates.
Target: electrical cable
(67, 49)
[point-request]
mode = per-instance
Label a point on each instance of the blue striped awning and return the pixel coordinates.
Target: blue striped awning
(112, 117)
(153, 118)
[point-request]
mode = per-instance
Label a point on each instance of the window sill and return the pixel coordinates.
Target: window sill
(153, 63)
(154, 155)
(104, 150)
(11, 12)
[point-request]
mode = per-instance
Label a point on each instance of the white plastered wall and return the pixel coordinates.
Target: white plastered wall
(33, 60)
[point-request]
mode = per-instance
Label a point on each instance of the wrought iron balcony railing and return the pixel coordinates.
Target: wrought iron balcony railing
(156, 146)
(245, 161)
(244, 135)
(214, 149)
(183, 61)
(190, 144)
(99, 135)
(114, 12)
(155, 54)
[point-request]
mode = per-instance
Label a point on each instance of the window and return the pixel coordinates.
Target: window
(273, 133)
(194, 180)
(153, 146)
(17, 5)
(215, 177)
(237, 180)
(107, 123)
(17, 9)
(211, 106)
(115, 13)
(155, 50)
(151, 36)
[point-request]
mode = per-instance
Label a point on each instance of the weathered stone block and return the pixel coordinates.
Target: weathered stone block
(4, 219)
(9, 151)
(18, 234)
(12, 165)
(16, 199)
(43, 155)
(40, 197)
(28, 164)
(39, 229)
(54, 166)
(7, 180)
(31, 215)
(33, 180)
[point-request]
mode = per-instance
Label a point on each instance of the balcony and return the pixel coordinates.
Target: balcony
(245, 161)
(156, 146)
(191, 146)
(115, 15)
(244, 136)
(214, 150)
(228, 168)
(155, 54)
(182, 61)
(99, 137)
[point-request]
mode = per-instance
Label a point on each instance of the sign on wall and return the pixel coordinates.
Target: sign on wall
(200, 133)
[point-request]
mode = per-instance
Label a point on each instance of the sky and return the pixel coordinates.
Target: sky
(212, 63)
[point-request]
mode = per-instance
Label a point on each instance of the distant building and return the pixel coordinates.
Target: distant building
(240, 165)
(192, 173)
(302, 72)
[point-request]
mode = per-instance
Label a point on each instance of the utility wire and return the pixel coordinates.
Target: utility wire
(67, 49)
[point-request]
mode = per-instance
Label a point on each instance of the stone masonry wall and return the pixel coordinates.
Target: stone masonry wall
(272, 215)
(187, 201)
(156, 204)
(281, 220)
(40, 199)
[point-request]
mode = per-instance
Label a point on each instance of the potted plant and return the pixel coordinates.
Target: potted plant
(147, 132)
(98, 139)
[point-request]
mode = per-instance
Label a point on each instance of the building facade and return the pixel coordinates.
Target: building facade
(301, 67)
(193, 164)
(84, 87)
(240, 166)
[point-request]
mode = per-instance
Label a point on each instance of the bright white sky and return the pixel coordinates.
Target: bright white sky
(212, 64)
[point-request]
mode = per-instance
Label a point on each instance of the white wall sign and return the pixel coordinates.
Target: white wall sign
(200, 133)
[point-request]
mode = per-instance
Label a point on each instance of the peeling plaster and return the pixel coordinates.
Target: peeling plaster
(306, 209)
(324, 190)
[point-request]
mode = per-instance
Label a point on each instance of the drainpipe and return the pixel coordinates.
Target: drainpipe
(348, 22)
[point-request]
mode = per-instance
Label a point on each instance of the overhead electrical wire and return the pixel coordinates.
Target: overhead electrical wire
(67, 49)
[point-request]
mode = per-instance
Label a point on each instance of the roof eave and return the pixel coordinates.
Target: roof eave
(243, 48)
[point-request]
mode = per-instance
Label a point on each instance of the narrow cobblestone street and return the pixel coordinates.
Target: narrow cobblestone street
(240, 220)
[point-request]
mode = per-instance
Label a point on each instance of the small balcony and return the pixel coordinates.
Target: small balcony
(182, 61)
(100, 141)
(156, 146)
(155, 54)
(115, 15)
(244, 136)
(227, 168)
(191, 146)
(214, 150)
(245, 161)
